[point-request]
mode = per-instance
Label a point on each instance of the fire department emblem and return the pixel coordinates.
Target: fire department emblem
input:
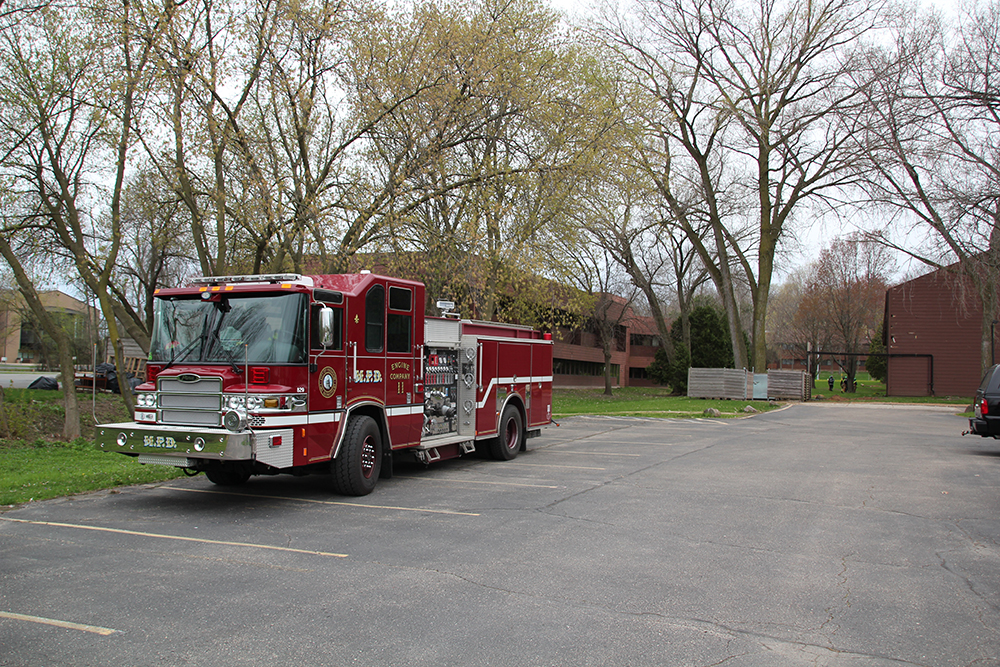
(328, 382)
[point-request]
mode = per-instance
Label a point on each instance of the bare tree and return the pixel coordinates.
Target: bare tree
(611, 295)
(847, 293)
(934, 157)
(796, 320)
(752, 107)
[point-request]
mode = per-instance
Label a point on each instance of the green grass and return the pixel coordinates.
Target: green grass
(42, 470)
(35, 464)
(643, 402)
(657, 401)
(874, 391)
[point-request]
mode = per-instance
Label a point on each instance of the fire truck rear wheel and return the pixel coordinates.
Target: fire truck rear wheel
(359, 462)
(510, 436)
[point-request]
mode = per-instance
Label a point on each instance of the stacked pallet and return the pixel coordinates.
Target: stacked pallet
(720, 383)
(791, 385)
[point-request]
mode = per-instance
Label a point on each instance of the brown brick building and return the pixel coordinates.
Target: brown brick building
(578, 358)
(20, 343)
(937, 320)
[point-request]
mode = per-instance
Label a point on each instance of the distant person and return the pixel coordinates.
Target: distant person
(829, 381)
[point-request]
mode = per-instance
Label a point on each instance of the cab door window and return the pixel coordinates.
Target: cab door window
(399, 320)
(374, 318)
(338, 329)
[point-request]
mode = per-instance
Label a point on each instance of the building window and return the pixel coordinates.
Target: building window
(644, 340)
(585, 368)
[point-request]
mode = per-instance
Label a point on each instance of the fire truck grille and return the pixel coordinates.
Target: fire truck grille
(190, 418)
(191, 400)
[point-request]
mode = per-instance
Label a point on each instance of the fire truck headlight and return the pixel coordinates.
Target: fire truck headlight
(254, 402)
(235, 421)
(234, 402)
(145, 400)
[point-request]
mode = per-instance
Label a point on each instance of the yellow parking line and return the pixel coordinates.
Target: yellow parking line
(139, 533)
(59, 624)
(320, 502)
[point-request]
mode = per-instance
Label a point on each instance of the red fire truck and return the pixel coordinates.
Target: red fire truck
(266, 374)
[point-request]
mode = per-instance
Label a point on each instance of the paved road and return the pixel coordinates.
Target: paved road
(818, 535)
(21, 379)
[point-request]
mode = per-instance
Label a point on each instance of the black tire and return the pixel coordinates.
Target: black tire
(228, 475)
(358, 464)
(510, 437)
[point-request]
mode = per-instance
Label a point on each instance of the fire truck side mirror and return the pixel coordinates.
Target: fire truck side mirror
(326, 326)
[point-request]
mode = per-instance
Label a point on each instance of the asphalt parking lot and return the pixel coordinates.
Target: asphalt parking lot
(817, 535)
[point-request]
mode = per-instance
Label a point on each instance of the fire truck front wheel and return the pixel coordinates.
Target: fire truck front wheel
(510, 436)
(228, 474)
(356, 468)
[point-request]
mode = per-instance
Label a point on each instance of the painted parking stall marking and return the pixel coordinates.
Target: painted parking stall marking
(322, 502)
(179, 538)
(93, 629)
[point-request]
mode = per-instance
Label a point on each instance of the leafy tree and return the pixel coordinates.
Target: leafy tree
(710, 346)
(20, 263)
(659, 369)
(72, 92)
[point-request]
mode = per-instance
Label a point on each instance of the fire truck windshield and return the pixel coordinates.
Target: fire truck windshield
(260, 329)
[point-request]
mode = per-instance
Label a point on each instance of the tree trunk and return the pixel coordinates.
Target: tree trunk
(71, 423)
(4, 426)
(661, 322)
(607, 368)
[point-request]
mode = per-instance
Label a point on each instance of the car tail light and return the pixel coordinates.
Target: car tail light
(983, 407)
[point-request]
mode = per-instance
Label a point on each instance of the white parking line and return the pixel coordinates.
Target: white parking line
(321, 502)
(97, 630)
(477, 481)
(556, 451)
(548, 465)
(139, 533)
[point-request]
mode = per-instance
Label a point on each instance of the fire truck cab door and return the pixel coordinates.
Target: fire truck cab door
(487, 413)
(328, 379)
(405, 418)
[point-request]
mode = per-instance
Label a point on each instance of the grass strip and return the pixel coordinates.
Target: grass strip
(42, 470)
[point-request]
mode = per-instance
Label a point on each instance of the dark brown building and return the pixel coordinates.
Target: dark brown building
(578, 357)
(937, 320)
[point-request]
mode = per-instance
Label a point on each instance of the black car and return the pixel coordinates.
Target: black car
(987, 405)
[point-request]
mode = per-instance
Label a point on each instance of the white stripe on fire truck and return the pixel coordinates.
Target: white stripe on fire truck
(324, 418)
(301, 419)
(405, 410)
(495, 381)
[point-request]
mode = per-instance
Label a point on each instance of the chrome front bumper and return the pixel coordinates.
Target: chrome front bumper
(175, 442)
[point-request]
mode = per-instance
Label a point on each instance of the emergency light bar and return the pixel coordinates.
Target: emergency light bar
(266, 278)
